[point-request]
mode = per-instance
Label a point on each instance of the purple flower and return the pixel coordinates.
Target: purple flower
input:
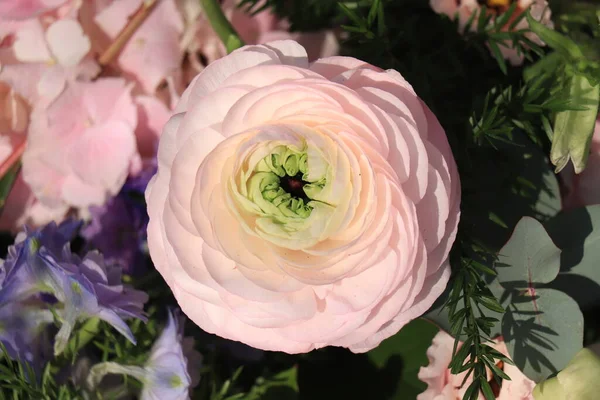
(41, 262)
(167, 373)
(21, 328)
(18, 279)
(118, 229)
(90, 288)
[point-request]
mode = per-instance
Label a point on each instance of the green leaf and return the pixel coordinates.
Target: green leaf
(7, 182)
(573, 129)
(438, 313)
(543, 330)
(548, 63)
(283, 385)
(531, 256)
(555, 40)
(411, 344)
(577, 233)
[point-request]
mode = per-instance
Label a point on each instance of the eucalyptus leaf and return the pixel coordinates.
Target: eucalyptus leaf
(530, 257)
(577, 233)
(543, 330)
(542, 327)
(573, 129)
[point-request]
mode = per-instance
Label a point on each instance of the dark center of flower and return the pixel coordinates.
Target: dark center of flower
(294, 186)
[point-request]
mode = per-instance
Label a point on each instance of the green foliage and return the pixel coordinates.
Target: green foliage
(6, 183)
(305, 15)
(542, 327)
(576, 233)
(283, 385)
(18, 380)
(410, 345)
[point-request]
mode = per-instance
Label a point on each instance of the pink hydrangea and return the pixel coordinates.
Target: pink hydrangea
(82, 146)
(153, 52)
(442, 385)
(202, 41)
(25, 9)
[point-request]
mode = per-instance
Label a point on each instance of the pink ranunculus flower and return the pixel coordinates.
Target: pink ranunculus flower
(464, 10)
(583, 189)
(300, 205)
(82, 146)
(442, 385)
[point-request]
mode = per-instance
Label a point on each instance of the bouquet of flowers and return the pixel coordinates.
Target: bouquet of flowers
(300, 199)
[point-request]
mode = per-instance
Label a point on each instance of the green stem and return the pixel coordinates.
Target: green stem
(221, 25)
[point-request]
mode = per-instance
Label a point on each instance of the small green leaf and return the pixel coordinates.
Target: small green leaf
(283, 385)
(555, 40)
(7, 182)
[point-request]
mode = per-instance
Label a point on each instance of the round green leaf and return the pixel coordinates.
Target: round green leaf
(543, 330)
(530, 257)
(577, 233)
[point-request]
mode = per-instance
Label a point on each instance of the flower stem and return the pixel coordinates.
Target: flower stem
(123, 37)
(221, 25)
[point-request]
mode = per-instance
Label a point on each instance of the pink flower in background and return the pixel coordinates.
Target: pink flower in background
(24, 9)
(299, 206)
(464, 10)
(201, 39)
(584, 189)
(442, 385)
(153, 53)
(151, 118)
(82, 146)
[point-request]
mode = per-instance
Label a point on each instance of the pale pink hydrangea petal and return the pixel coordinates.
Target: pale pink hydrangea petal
(67, 52)
(152, 117)
(82, 145)
(30, 43)
(153, 52)
(110, 141)
(21, 208)
(24, 9)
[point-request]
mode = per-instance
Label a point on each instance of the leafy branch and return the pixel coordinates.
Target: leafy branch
(469, 322)
(501, 30)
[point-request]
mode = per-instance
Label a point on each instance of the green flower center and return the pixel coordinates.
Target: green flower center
(175, 381)
(281, 179)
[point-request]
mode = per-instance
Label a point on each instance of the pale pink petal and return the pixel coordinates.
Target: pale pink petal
(152, 117)
(30, 43)
(71, 51)
(102, 155)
